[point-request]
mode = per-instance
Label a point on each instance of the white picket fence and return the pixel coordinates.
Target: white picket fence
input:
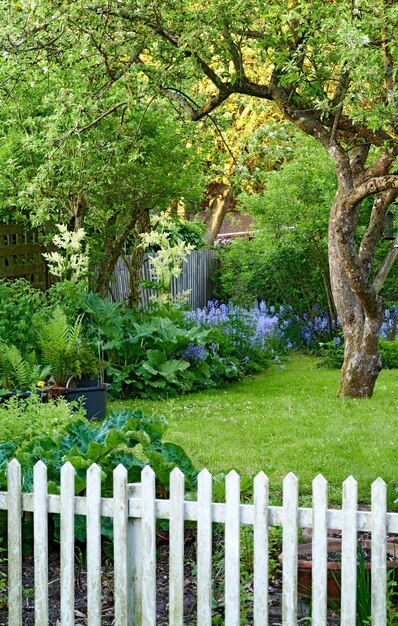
(135, 509)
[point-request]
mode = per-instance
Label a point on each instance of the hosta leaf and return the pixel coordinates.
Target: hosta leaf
(170, 369)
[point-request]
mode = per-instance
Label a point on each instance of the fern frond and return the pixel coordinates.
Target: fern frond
(59, 342)
(19, 373)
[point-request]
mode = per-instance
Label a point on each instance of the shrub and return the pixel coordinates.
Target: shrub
(277, 273)
(332, 353)
(389, 353)
(23, 419)
(18, 304)
(156, 353)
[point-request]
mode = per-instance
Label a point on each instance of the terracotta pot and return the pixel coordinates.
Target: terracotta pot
(333, 568)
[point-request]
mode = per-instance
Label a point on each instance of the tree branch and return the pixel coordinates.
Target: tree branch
(370, 187)
(386, 266)
(113, 108)
(374, 231)
(235, 52)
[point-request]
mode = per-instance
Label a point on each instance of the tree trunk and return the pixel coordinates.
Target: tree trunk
(218, 207)
(137, 260)
(361, 323)
(116, 233)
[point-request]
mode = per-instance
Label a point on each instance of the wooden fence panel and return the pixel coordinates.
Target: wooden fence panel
(148, 574)
(260, 541)
(67, 515)
(204, 549)
(94, 546)
(349, 553)
(196, 277)
(379, 553)
(319, 557)
(21, 255)
(176, 560)
(289, 549)
(232, 549)
(120, 517)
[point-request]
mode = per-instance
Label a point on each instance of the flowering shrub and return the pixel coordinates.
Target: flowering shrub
(71, 262)
(256, 336)
(260, 333)
(171, 252)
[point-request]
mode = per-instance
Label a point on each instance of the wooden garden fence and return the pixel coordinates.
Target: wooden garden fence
(21, 255)
(196, 277)
(135, 509)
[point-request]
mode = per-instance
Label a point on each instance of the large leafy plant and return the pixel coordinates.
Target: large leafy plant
(148, 352)
(126, 437)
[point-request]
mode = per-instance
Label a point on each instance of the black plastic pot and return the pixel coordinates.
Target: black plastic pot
(22, 395)
(12, 394)
(92, 398)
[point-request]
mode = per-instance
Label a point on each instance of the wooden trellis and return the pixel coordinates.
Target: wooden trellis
(21, 255)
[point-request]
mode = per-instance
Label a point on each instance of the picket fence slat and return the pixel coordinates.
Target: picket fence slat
(134, 510)
(40, 546)
(67, 522)
(379, 554)
(260, 546)
(232, 549)
(176, 561)
(148, 548)
(14, 503)
(349, 553)
(289, 550)
(204, 549)
(319, 551)
(134, 556)
(120, 542)
(94, 546)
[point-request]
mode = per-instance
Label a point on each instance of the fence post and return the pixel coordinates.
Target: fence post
(14, 506)
(134, 561)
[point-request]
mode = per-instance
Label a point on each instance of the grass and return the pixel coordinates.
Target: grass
(289, 420)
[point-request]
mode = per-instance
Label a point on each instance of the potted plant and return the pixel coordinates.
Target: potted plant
(74, 367)
(334, 547)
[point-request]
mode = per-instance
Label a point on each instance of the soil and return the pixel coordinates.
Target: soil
(275, 592)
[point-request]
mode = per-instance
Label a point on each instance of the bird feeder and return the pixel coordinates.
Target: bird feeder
(388, 229)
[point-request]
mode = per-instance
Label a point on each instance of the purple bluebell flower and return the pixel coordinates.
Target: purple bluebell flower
(194, 353)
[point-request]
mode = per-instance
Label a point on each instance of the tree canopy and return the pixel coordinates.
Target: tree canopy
(330, 68)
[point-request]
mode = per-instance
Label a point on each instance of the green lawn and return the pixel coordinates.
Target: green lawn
(289, 420)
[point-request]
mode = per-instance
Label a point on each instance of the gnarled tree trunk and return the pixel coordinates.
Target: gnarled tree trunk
(359, 308)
